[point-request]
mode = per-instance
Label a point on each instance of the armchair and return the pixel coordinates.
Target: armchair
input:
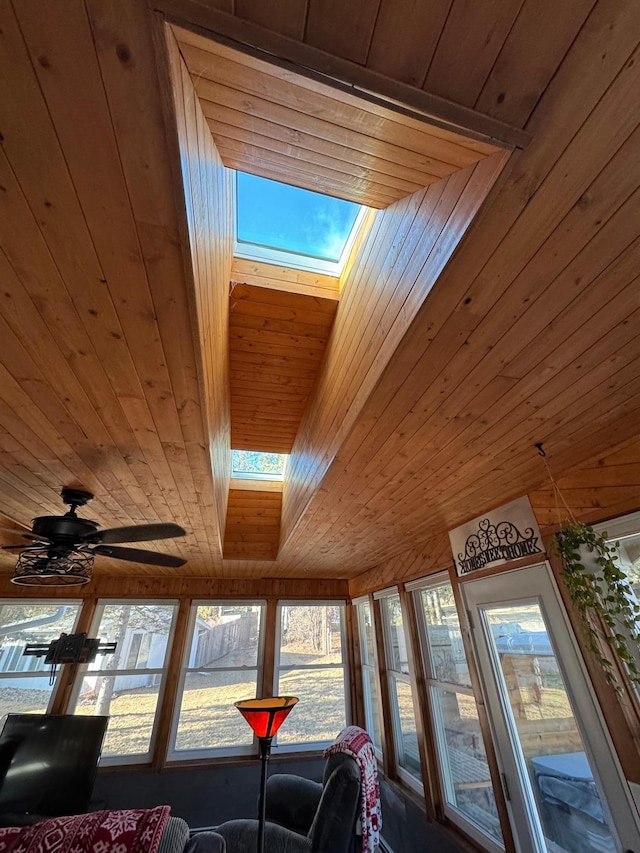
(305, 816)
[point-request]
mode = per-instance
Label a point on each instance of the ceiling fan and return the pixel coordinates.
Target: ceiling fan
(63, 547)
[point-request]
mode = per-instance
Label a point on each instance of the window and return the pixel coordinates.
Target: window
(127, 685)
(24, 680)
(566, 789)
(289, 226)
(223, 665)
(624, 533)
(400, 693)
(464, 772)
(310, 665)
(369, 672)
(254, 465)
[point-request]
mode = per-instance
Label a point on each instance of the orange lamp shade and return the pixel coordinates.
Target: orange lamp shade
(265, 716)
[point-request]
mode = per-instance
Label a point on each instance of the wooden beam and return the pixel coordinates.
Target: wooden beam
(149, 587)
(270, 629)
(284, 279)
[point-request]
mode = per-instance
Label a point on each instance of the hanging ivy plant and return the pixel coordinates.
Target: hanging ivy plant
(601, 591)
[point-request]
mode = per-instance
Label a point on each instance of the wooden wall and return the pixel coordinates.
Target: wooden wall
(145, 587)
(603, 487)
(208, 191)
(401, 257)
(434, 557)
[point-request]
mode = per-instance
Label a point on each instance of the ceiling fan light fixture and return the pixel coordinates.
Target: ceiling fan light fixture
(37, 567)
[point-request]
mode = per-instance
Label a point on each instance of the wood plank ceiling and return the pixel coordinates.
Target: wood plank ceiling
(277, 341)
(277, 124)
(528, 332)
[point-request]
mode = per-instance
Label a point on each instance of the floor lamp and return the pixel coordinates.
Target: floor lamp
(265, 716)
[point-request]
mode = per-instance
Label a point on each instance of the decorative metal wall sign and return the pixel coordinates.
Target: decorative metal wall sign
(507, 533)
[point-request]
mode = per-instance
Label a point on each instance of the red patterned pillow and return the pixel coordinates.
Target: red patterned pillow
(126, 831)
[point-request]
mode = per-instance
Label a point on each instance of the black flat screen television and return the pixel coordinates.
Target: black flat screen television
(51, 763)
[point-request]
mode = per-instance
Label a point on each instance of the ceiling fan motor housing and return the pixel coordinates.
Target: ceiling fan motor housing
(63, 528)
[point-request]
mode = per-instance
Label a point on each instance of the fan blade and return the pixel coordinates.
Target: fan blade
(25, 535)
(137, 555)
(136, 533)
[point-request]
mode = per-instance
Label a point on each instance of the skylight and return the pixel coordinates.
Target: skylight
(253, 465)
(286, 225)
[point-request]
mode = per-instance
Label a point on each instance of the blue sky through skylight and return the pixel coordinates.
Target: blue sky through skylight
(293, 220)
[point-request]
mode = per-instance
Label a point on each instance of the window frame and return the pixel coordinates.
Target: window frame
(372, 669)
(176, 755)
(618, 529)
(393, 677)
(432, 684)
(294, 260)
(264, 477)
(84, 671)
(312, 746)
(536, 584)
(32, 672)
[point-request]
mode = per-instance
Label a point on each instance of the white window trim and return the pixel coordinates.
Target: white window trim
(83, 670)
(454, 814)
(542, 589)
(311, 746)
(215, 751)
(387, 592)
(617, 530)
(396, 675)
(367, 667)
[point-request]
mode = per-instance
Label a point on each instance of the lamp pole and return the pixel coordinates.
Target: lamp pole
(265, 751)
(265, 716)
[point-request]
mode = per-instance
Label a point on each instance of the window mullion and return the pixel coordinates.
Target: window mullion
(167, 705)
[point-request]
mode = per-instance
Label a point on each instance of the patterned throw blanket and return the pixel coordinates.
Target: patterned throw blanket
(357, 743)
(128, 831)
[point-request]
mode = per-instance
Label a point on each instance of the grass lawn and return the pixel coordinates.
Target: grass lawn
(208, 718)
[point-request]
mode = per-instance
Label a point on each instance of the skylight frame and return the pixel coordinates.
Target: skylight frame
(294, 260)
(266, 477)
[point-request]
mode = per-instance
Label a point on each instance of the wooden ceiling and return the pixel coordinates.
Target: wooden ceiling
(275, 123)
(252, 530)
(110, 366)
(277, 342)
